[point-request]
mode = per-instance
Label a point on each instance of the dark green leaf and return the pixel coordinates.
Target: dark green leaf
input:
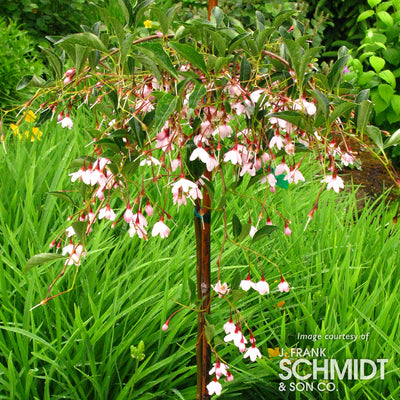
(364, 110)
(264, 231)
(42, 258)
(86, 39)
(190, 54)
(198, 93)
(236, 226)
(80, 230)
(244, 233)
(245, 72)
(335, 74)
(30, 81)
(375, 134)
(63, 196)
(165, 107)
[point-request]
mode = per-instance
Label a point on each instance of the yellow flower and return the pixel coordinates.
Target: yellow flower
(15, 129)
(147, 23)
(273, 352)
(37, 132)
(30, 116)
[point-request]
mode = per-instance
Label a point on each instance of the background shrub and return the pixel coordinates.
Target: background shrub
(17, 58)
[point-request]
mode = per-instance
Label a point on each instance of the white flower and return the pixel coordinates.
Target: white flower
(233, 156)
(214, 387)
(107, 213)
(304, 105)
(66, 122)
(229, 327)
(334, 182)
(160, 228)
(253, 352)
(277, 141)
(221, 289)
(283, 286)
(219, 369)
(201, 154)
(183, 183)
(212, 163)
(253, 231)
(246, 284)
(262, 286)
(294, 176)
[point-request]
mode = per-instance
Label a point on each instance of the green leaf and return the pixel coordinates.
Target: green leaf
(385, 17)
(126, 8)
(386, 92)
(323, 103)
(42, 258)
(374, 133)
(30, 81)
(244, 233)
(395, 103)
(264, 231)
(165, 107)
(364, 15)
(159, 56)
(54, 61)
(341, 109)
(86, 39)
(388, 77)
(63, 196)
(365, 77)
(236, 226)
(80, 230)
(335, 73)
(377, 63)
(190, 54)
(245, 72)
(373, 3)
(393, 140)
(293, 117)
(363, 113)
(209, 330)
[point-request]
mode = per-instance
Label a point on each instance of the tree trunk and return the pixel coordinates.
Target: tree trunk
(211, 5)
(202, 221)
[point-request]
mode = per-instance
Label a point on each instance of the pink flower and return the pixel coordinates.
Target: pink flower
(139, 219)
(253, 352)
(347, 159)
(201, 154)
(229, 327)
(233, 156)
(219, 369)
(66, 122)
(334, 182)
(283, 286)
(165, 327)
(160, 228)
(277, 141)
(107, 213)
(221, 289)
(262, 286)
(295, 176)
(229, 376)
(137, 229)
(128, 214)
(212, 163)
(246, 284)
(224, 131)
(281, 168)
(214, 387)
(287, 230)
(304, 105)
(148, 209)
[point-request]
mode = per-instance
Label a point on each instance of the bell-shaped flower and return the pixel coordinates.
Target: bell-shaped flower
(262, 286)
(160, 228)
(253, 353)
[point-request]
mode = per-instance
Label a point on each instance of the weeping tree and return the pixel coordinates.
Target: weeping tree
(180, 109)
